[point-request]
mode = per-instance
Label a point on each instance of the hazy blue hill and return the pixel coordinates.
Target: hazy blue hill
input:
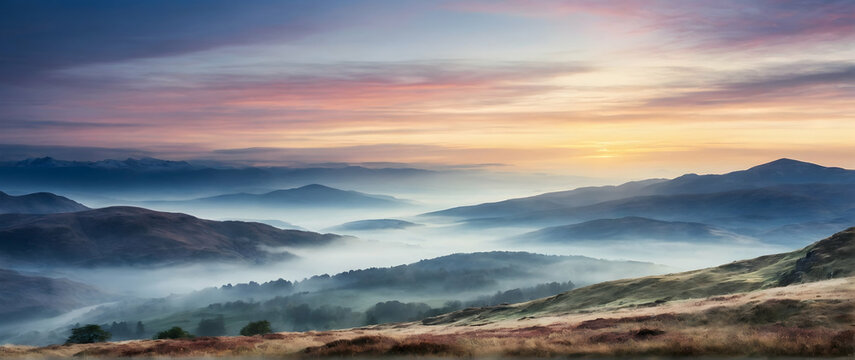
(453, 273)
(272, 222)
(375, 224)
(25, 297)
(38, 203)
(145, 164)
(137, 236)
(313, 195)
(777, 173)
(630, 228)
(754, 208)
(549, 201)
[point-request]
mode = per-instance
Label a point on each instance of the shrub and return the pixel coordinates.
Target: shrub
(174, 333)
(88, 334)
(256, 328)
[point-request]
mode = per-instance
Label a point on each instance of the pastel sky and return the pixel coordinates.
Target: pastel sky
(628, 88)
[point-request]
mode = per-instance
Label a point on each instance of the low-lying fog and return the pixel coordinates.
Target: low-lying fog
(427, 237)
(384, 248)
(431, 237)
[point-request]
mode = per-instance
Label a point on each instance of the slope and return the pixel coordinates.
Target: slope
(833, 257)
(775, 173)
(629, 228)
(137, 236)
(313, 195)
(26, 297)
(37, 203)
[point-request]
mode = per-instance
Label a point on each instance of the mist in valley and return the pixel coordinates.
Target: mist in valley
(397, 255)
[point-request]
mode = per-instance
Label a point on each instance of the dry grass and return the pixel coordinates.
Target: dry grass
(815, 319)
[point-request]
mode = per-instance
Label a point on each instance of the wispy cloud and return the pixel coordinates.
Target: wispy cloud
(725, 24)
(798, 83)
(537, 83)
(41, 35)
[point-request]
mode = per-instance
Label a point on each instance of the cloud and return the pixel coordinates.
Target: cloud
(771, 22)
(294, 95)
(722, 25)
(24, 124)
(37, 36)
(794, 83)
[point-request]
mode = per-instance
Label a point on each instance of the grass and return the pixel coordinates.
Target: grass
(790, 321)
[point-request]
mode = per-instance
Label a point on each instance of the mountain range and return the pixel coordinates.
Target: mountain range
(778, 172)
(755, 202)
(136, 236)
(141, 178)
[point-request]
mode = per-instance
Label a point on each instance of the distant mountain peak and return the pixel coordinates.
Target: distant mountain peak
(308, 195)
(786, 163)
(317, 187)
(143, 163)
(38, 203)
(46, 161)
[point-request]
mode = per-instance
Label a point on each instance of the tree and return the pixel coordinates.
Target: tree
(120, 330)
(211, 327)
(140, 329)
(256, 328)
(174, 333)
(88, 334)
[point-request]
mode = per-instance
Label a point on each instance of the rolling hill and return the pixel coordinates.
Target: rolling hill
(630, 228)
(137, 236)
(830, 258)
(38, 203)
(26, 297)
(747, 212)
(375, 224)
(308, 196)
(362, 297)
(549, 201)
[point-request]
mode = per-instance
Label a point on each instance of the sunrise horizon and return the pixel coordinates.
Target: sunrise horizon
(612, 88)
(442, 179)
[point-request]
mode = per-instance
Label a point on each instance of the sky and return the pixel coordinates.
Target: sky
(626, 88)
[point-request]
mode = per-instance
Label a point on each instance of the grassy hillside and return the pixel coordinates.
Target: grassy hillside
(833, 257)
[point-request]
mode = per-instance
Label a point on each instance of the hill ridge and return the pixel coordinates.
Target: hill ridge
(38, 203)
